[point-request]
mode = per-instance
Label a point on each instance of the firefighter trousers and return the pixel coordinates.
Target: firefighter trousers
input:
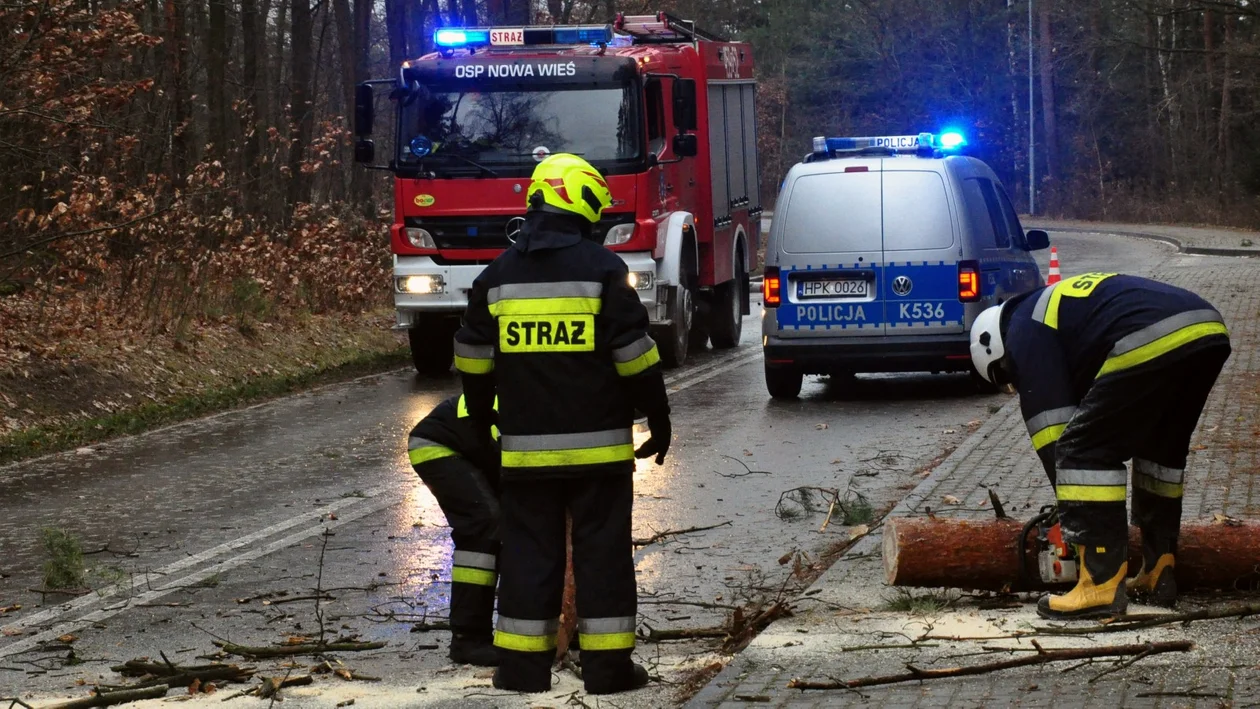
(472, 509)
(1146, 415)
(533, 580)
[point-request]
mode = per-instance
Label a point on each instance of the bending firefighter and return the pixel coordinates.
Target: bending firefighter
(1108, 368)
(461, 468)
(555, 330)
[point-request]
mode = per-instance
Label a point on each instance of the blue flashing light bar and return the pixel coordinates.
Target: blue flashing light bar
(924, 142)
(458, 37)
(453, 38)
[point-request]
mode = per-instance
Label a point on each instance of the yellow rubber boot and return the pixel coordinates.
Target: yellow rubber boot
(1100, 590)
(1156, 585)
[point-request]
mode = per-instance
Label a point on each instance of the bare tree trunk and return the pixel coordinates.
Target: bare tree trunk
(252, 39)
(396, 15)
(347, 49)
(1048, 111)
(177, 55)
(216, 72)
(300, 105)
(1208, 45)
(360, 180)
(470, 12)
(1227, 84)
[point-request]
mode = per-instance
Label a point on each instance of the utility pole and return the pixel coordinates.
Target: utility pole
(1032, 121)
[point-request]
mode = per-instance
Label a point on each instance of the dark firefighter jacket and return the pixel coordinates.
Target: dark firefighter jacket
(1062, 338)
(555, 329)
(448, 431)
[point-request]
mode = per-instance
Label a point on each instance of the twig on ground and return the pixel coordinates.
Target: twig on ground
(1041, 657)
(15, 702)
(1188, 694)
(1119, 624)
(174, 675)
(749, 471)
(656, 636)
(675, 532)
(1118, 666)
(319, 586)
(901, 646)
(109, 699)
(290, 650)
(697, 604)
(292, 599)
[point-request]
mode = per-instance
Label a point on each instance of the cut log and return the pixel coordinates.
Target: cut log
(981, 554)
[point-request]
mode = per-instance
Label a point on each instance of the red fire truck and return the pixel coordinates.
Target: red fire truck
(664, 110)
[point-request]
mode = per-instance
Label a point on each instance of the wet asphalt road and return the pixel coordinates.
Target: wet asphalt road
(200, 529)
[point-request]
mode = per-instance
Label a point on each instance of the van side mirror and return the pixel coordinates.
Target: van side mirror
(364, 111)
(685, 145)
(364, 150)
(685, 104)
(1037, 239)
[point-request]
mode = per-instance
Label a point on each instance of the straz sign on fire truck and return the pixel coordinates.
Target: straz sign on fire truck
(497, 71)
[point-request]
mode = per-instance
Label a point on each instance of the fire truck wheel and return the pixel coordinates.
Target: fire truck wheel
(783, 382)
(726, 316)
(433, 346)
(675, 340)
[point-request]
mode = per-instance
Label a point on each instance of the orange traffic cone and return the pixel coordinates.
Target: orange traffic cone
(1054, 276)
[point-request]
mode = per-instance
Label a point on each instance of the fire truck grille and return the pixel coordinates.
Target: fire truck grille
(488, 232)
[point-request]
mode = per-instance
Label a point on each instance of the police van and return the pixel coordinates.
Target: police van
(882, 251)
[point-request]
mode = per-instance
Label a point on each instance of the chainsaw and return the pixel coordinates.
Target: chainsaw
(1056, 560)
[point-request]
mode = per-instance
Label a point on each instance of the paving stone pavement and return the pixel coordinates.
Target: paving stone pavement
(832, 636)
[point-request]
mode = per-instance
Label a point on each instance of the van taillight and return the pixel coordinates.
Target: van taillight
(770, 293)
(969, 281)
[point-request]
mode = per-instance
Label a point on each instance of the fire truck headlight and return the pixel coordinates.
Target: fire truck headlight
(421, 285)
(619, 234)
(420, 238)
(641, 280)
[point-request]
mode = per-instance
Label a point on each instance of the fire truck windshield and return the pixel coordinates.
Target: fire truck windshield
(508, 128)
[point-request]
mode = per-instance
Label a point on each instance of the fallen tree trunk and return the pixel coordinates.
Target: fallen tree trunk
(982, 554)
(1042, 657)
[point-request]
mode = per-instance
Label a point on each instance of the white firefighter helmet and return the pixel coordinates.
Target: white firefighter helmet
(986, 341)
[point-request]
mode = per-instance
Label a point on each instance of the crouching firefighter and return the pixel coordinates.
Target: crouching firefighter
(555, 330)
(460, 466)
(1108, 368)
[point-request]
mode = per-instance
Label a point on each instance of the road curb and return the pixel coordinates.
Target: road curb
(1180, 245)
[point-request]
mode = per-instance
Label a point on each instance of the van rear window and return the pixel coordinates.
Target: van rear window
(834, 212)
(916, 212)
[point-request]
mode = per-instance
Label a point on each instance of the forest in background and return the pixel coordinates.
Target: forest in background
(175, 164)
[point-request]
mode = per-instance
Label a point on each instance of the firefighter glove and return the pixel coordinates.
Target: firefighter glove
(658, 444)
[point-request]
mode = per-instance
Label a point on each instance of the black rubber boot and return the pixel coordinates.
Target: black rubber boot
(469, 649)
(500, 683)
(637, 678)
(1100, 590)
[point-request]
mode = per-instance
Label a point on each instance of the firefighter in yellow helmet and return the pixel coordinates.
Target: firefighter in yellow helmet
(555, 330)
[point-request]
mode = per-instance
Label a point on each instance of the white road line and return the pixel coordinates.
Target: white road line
(746, 359)
(172, 586)
(166, 572)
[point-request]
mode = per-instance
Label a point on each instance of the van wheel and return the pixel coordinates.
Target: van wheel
(726, 318)
(982, 385)
(784, 382)
(432, 343)
(675, 339)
